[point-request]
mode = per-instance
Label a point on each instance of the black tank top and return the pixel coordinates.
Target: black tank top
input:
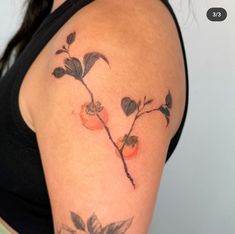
(24, 200)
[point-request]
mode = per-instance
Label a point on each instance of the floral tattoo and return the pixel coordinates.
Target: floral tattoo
(94, 116)
(93, 226)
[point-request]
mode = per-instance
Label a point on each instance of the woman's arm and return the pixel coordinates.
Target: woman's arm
(111, 99)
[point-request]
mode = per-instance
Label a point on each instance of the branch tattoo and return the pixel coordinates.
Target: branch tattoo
(94, 226)
(94, 116)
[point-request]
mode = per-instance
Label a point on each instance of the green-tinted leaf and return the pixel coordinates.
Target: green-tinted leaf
(77, 221)
(71, 38)
(93, 225)
(89, 60)
(169, 100)
(58, 72)
(73, 67)
(165, 111)
(117, 228)
(129, 106)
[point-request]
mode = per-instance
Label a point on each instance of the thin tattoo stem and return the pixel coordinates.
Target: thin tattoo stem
(149, 111)
(73, 67)
(107, 130)
(137, 116)
(89, 91)
(130, 131)
(82, 81)
(120, 151)
(111, 138)
(126, 169)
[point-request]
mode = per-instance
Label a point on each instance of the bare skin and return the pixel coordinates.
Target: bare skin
(145, 175)
(56, 4)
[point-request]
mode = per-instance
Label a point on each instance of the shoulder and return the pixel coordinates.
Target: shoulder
(140, 42)
(134, 24)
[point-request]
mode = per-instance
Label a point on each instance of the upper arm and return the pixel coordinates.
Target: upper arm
(136, 86)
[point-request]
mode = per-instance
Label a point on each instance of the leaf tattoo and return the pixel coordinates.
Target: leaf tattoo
(169, 100)
(89, 60)
(71, 38)
(73, 67)
(93, 226)
(77, 221)
(59, 72)
(129, 106)
(117, 228)
(94, 115)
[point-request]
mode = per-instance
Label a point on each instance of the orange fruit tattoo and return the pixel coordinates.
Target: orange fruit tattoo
(89, 118)
(131, 147)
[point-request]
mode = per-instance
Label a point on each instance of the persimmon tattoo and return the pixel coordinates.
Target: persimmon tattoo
(94, 226)
(94, 116)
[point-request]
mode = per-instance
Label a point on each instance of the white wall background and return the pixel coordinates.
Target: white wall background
(197, 193)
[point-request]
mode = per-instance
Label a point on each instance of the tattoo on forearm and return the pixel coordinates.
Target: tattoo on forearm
(94, 226)
(94, 116)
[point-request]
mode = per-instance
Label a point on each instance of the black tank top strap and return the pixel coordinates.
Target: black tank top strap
(67, 9)
(176, 137)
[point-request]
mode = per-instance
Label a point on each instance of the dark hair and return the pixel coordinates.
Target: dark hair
(35, 14)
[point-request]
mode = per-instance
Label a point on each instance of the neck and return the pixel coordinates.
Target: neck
(56, 4)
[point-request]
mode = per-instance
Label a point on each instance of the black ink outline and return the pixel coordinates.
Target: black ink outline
(93, 225)
(74, 68)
